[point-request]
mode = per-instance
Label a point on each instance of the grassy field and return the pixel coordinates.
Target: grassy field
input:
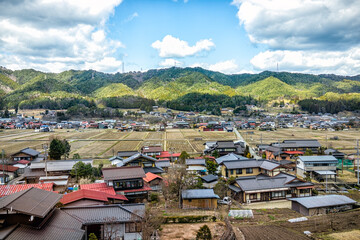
(346, 139)
(103, 143)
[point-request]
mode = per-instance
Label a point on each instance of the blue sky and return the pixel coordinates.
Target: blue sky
(312, 36)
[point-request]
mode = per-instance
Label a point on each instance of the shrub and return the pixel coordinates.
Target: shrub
(204, 233)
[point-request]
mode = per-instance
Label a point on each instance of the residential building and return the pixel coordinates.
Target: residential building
(7, 172)
(323, 204)
(127, 181)
(146, 162)
(151, 151)
(116, 160)
(196, 166)
(199, 199)
(320, 167)
(110, 221)
(126, 154)
(6, 190)
(154, 181)
(230, 157)
(25, 154)
(266, 188)
(224, 147)
(209, 181)
(299, 145)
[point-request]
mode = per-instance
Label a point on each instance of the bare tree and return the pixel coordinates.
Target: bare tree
(151, 222)
(112, 229)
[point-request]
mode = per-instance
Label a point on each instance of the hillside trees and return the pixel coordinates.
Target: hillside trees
(59, 148)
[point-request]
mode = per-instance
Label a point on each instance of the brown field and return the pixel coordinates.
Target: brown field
(103, 143)
(346, 139)
(269, 232)
(351, 235)
(188, 231)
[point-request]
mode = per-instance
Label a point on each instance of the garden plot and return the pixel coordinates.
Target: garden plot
(155, 135)
(174, 135)
(137, 135)
(178, 146)
(152, 143)
(95, 149)
(198, 145)
(125, 146)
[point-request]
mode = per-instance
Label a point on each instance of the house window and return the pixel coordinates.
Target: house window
(253, 196)
(279, 194)
(132, 227)
(306, 190)
(238, 171)
(249, 170)
(231, 172)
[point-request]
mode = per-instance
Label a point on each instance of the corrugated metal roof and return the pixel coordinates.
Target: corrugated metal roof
(323, 201)
(30, 152)
(230, 157)
(249, 163)
(101, 187)
(32, 201)
(163, 164)
(198, 194)
(323, 158)
(195, 162)
(60, 226)
(11, 189)
(209, 178)
(123, 173)
(89, 194)
(126, 153)
(58, 165)
(102, 214)
(324, 172)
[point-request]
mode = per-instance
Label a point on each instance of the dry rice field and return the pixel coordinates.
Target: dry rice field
(346, 139)
(104, 143)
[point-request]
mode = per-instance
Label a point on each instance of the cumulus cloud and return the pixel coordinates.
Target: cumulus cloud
(228, 66)
(174, 47)
(307, 36)
(55, 35)
(169, 62)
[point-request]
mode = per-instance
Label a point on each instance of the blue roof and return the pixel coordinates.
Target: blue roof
(323, 201)
(198, 194)
(324, 158)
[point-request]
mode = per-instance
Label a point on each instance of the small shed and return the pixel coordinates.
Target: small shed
(324, 204)
(199, 199)
(209, 181)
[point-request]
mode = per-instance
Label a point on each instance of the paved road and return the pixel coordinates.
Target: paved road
(252, 152)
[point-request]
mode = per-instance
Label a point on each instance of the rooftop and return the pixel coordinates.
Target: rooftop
(198, 194)
(323, 201)
(90, 194)
(123, 173)
(323, 158)
(230, 157)
(10, 189)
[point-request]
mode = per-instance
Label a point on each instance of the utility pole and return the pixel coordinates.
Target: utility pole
(3, 162)
(45, 147)
(357, 153)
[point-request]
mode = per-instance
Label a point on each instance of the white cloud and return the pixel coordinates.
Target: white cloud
(337, 62)
(55, 35)
(228, 66)
(315, 36)
(174, 47)
(169, 62)
(131, 17)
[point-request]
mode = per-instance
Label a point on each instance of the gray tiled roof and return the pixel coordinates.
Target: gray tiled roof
(230, 157)
(209, 178)
(300, 143)
(60, 226)
(251, 163)
(324, 158)
(32, 201)
(59, 165)
(162, 164)
(30, 152)
(268, 165)
(323, 201)
(198, 194)
(104, 214)
(154, 170)
(123, 173)
(126, 153)
(195, 162)
(137, 156)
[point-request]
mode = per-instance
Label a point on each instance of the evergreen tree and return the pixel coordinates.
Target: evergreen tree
(56, 149)
(204, 233)
(211, 167)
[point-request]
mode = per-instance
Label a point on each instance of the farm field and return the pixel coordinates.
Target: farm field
(346, 140)
(104, 143)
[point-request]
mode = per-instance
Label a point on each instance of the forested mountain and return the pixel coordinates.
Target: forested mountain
(176, 87)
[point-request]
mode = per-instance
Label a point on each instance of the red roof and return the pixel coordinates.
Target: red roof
(23, 162)
(164, 159)
(151, 176)
(8, 168)
(166, 154)
(101, 187)
(294, 152)
(10, 189)
(89, 194)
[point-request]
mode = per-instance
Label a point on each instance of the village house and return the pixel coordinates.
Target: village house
(25, 154)
(163, 163)
(6, 190)
(224, 147)
(323, 204)
(275, 153)
(110, 221)
(299, 145)
(209, 181)
(126, 154)
(155, 182)
(250, 167)
(319, 167)
(146, 162)
(31, 214)
(196, 166)
(115, 160)
(7, 173)
(199, 199)
(170, 155)
(127, 181)
(230, 157)
(266, 188)
(87, 197)
(151, 151)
